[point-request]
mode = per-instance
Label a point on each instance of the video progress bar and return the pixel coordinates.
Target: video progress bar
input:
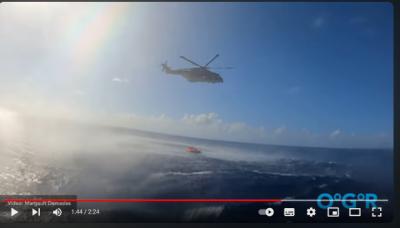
(117, 200)
(132, 200)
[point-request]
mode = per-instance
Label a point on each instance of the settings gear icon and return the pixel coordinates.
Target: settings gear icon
(311, 212)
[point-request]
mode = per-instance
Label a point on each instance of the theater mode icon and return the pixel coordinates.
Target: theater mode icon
(354, 212)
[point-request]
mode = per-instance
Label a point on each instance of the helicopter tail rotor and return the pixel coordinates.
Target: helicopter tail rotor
(165, 66)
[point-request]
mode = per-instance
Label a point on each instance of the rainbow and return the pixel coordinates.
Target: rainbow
(91, 28)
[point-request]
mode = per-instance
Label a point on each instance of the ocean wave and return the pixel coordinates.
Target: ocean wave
(288, 174)
(176, 173)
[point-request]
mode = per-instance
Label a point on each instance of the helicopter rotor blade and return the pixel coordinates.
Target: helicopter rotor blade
(216, 56)
(221, 68)
(190, 61)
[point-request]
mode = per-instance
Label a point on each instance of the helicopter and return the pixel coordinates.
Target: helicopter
(196, 74)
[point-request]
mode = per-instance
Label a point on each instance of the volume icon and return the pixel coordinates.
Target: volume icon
(57, 212)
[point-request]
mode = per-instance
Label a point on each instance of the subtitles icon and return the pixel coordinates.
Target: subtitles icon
(333, 212)
(289, 212)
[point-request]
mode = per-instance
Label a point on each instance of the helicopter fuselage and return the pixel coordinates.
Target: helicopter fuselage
(197, 74)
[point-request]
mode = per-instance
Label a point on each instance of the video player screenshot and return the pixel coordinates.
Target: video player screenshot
(198, 112)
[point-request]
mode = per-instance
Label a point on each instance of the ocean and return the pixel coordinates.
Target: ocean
(93, 161)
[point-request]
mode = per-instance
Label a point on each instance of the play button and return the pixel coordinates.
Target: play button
(13, 212)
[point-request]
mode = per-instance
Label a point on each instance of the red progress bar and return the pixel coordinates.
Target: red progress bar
(149, 200)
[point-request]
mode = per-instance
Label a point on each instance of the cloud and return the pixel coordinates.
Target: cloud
(208, 125)
(335, 133)
(236, 127)
(202, 119)
(212, 126)
(202, 125)
(318, 22)
(280, 130)
(120, 80)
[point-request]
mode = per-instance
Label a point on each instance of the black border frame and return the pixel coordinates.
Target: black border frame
(396, 128)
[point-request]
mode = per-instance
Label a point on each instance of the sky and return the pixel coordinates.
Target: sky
(311, 74)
